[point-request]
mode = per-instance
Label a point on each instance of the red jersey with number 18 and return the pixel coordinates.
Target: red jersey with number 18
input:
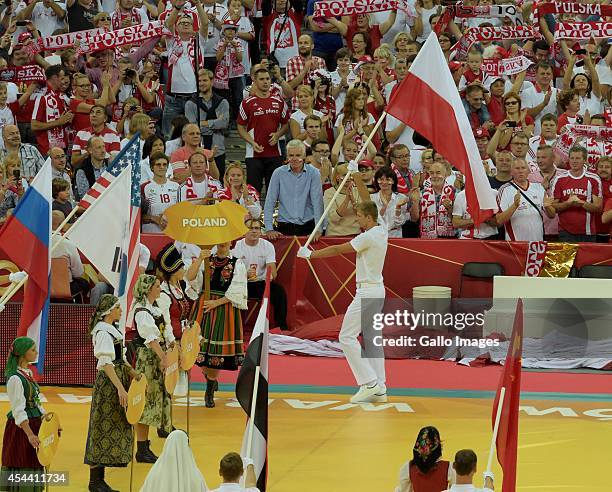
(263, 116)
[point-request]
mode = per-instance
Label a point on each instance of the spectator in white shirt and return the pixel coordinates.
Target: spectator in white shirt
(465, 468)
(231, 470)
(258, 254)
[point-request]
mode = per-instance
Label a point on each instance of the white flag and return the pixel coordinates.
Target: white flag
(100, 232)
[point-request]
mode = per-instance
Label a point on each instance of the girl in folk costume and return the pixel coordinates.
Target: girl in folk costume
(391, 205)
(109, 438)
(181, 296)
(238, 190)
(222, 345)
(426, 472)
(434, 206)
(154, 337)
(20, 440)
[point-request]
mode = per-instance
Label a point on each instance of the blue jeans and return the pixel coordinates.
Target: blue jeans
(173, 107)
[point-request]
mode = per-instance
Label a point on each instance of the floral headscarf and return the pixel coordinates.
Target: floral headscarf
(143, 287)
(107, 303)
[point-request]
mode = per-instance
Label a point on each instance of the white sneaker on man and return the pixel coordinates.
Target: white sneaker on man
(368, 394)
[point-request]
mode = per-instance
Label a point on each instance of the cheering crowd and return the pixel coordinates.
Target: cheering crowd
(303, 90)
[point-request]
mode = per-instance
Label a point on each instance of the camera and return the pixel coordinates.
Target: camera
(133, 108)
(130, 73)
(21, 23)
(580, 52)
(17, 174)
(511, 124)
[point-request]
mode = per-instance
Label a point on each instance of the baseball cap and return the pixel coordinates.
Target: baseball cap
(24, 36)
(481, 132)
(366, 163)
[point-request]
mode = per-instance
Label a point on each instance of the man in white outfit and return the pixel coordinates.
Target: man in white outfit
(465, 468)
(371, 248)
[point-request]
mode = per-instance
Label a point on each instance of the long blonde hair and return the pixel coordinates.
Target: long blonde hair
(230, 166)
(138, 123)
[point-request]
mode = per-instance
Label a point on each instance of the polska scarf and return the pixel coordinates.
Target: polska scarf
(436, 221)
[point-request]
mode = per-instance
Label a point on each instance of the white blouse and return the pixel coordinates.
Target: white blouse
(236, 293)
(393, 220)
(16, 395)
(145, 323)
(104, 336)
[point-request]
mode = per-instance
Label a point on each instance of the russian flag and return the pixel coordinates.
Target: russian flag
(25, 240)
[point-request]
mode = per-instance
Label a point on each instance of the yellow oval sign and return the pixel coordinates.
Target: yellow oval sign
(190, 346)
(206, 224)
(49, 438)
(137, 396)
(172, 371)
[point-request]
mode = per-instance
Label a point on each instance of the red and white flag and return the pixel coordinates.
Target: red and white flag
(427, 100)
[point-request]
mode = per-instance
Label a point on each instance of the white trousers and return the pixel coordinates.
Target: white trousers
(368, 301)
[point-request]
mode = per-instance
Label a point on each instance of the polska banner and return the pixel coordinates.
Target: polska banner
(26, 73)
(583, 30)
(478, 34)
(338, 8)
(573, 8)
(94, 40)
(60, 41)
(507, 66)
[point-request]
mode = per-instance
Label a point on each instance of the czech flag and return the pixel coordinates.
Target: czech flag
(25, 239)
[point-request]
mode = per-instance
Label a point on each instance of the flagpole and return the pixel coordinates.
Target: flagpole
(66, 220)
(502, 394)
(346, 177)
(252, 415)
(12, 289)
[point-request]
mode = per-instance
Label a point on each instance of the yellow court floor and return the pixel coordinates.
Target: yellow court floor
(320, 442)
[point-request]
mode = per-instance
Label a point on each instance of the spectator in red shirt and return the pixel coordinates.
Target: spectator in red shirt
(569, 101)
(301, 68)
(578, 197)
(604, 171)
(82, 102)
(361, 23)
(262, 120)
(97, 128)
(51, 118)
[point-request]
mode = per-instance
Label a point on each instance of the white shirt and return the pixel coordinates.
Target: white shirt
(392, 219)
(467, 488)
(44, 18)
(16, 396)
(104, 336)
(234, 487)
(532, 98)
(335, 80)
(287, 41)
(145, 323)
(6, 118)
(259, 255)
(220, 12)
(402, 23)
(158, 197)
(183, 75)
(144, 257)
(371, 248)
(68, 250)
(460, 210)
(526, 223)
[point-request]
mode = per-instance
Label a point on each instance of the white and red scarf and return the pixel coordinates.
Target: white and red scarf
(55, 107)
(507, 66)
(436, 221)
(25, 73)
(489, 11)
(119, 16)
(479, 34)
(177, 52)
(571, 133)
(337, 8)
(583, 30)
(588, 9)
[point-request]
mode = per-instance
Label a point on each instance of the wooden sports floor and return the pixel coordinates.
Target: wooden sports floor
(320, 442)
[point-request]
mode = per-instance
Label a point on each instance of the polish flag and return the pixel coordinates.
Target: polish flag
(427, 101)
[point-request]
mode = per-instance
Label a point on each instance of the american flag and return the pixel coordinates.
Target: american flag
(130, 154)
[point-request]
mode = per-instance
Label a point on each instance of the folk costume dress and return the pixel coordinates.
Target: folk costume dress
(18, 455)
(182, 299)
(222, 345)
(110, 438)
(153, 323)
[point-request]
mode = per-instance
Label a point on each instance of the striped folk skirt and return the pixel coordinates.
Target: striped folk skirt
(158, 406)
(222, 346)
(110, 439)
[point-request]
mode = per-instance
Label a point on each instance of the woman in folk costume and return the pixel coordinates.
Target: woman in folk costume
(154, 336)
(109, 440)
(434, 206)
(222, 345)
(181, 295)
(175, 469)
(20, 440)
(426, 472)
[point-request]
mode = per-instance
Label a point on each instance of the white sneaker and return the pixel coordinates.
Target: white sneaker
(380, 398)
(367, 394)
